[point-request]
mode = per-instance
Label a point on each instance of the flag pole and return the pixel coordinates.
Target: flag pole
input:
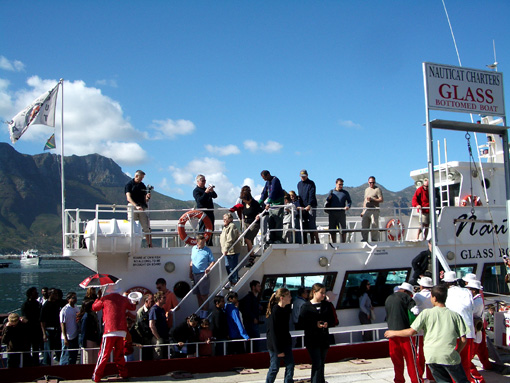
(62, 183)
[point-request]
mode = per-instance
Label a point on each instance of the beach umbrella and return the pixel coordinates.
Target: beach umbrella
(99, 280)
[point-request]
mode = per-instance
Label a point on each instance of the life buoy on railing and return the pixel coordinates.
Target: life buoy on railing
(200, 216)
(395, 229)
(471, 200)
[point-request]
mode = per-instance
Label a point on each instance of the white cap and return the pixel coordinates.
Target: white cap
(425, 282)
(450, 276)
(474, 284)
(406, 286)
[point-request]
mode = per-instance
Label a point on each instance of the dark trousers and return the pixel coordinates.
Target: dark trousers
(318, 357)
(445, 374)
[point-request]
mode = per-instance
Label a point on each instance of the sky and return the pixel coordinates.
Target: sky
(230, 88)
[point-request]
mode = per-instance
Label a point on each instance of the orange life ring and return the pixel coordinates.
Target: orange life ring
(194, 214)
(469, 199)
(395, 229)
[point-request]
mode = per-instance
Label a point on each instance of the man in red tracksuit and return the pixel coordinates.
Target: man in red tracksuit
(114, 308)
(397, 306)
(421, 202)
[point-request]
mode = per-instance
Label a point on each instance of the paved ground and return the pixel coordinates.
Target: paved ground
(374, 371)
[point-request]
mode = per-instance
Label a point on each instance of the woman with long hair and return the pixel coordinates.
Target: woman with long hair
(315, 318)
(365, 308)
(279, 341)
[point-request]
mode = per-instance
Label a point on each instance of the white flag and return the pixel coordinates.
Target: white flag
(41, 111)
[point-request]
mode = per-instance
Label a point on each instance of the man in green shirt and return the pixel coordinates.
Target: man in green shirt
(442, 327)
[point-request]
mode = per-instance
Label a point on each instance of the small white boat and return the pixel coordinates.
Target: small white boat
(30, 258)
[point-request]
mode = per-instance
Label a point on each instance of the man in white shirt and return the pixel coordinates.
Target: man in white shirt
(460, 300)
(69, 326)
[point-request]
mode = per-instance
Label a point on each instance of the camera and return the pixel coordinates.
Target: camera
(211, 186)
(149, 188)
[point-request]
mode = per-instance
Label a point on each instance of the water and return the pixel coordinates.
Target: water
(15, 280)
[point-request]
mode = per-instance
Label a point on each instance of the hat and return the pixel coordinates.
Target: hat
(406, 286)
(469, 277)
(303, 173)
(450, 276)
(425, 282)
(474, 284)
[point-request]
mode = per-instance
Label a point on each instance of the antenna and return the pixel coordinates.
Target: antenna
(495, 65)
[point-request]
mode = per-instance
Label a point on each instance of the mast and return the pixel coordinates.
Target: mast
(62, 179)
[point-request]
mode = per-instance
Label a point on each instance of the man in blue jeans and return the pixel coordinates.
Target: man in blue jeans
(442, 329)
(70, 330)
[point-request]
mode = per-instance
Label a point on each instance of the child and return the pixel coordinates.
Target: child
(442, 328)
(235, 324)
(205, 335)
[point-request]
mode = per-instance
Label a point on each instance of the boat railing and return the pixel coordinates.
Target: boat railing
(395, 224)
(254, 344)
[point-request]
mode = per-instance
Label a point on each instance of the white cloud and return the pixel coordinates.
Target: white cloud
(170, 128)
(222, 150)
(269, 147)
(93, 122)
(107, 82)
(350, 124)
(215, 173)
(12, 66)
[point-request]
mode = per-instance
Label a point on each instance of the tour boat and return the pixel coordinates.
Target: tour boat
(469, 234)
(30, 258)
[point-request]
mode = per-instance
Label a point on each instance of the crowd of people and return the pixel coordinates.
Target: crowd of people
(51, 329)
(438, 330)
(286, 214)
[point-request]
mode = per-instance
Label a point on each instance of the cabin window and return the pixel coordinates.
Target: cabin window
(493, 278)
(462, 271)
(271, 283)
(382, 283)
(442, 196)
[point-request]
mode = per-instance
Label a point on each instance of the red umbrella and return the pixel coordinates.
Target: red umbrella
(99, 280)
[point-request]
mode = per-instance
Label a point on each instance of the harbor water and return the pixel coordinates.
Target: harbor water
(64, 274)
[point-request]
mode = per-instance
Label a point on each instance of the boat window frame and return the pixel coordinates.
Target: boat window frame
(482, 279)
(347, 272)
(334, 274)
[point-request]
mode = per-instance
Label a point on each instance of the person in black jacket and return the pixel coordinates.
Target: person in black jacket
(315, 318)
(204, 198)
(187, 332)
(219, 324)
(279, 341)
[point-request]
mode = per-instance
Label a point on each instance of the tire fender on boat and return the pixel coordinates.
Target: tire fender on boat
(471, 200)
(395, 229)
(200, 216)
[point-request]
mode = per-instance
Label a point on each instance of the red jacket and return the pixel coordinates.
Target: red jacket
(421, 198)
(114, 308)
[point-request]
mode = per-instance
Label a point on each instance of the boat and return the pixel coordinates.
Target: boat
(469, 234)
(30, 258)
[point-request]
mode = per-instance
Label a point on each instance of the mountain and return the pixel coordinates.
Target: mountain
(30, 210)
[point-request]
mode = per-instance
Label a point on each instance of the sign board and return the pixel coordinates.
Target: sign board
(464, 90)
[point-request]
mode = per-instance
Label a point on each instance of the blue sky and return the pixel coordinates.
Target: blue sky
(229, 88)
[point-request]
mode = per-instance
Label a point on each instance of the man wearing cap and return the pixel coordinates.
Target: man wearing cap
(370, 215)
(114, 308)
(138, 196)
(397, 307)
(306, 191)
(480, 347)
(460, 300)
(423, 302)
